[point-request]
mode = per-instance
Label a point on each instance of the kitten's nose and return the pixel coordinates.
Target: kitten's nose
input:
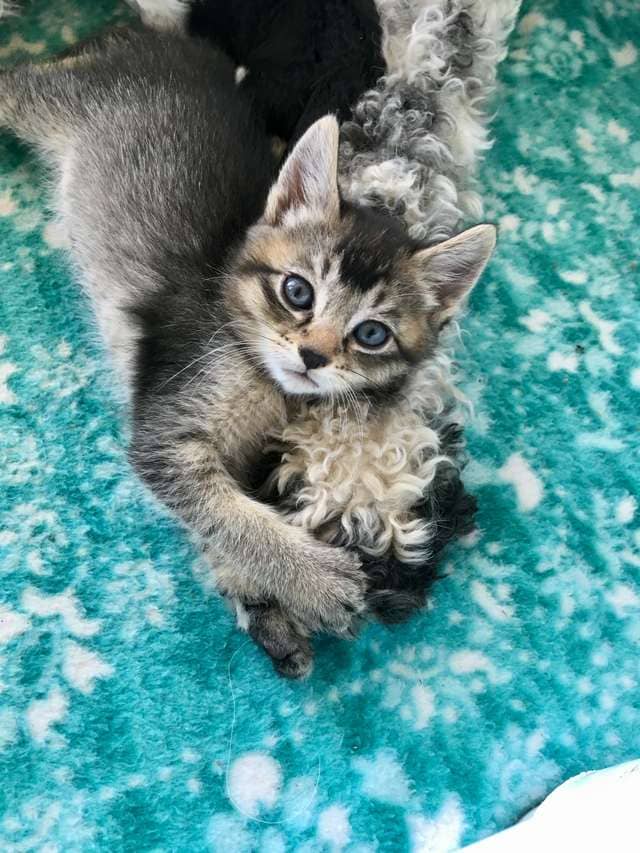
(312, 359)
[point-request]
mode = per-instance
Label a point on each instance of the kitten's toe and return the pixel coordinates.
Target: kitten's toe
(289, 650)
(298, 664)
(342, 610)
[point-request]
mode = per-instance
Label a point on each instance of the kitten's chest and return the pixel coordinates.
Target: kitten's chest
(246, 412)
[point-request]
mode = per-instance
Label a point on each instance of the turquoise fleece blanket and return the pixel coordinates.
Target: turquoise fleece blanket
(134, 716)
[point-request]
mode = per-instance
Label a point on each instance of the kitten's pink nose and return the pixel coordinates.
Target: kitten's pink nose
(312, 359)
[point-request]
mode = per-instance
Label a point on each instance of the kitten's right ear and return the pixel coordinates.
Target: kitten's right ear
(307, 186)
(451, 269)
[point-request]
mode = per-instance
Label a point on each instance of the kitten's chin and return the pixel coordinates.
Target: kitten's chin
(293, 379)
(294, 382)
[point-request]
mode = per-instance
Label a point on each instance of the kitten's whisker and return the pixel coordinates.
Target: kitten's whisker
(252, 335)
(351, 401)
(242, 359)
(203, 370)
(357, 410)
(239, 375)
(229, 349)
(182, 370)
(217, 273)
(344, 411)
(272, 341)
(377, 385)
(362, 376)
(342, 406)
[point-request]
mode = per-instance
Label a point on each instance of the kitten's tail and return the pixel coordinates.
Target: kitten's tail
(414, 142)
(28, 106)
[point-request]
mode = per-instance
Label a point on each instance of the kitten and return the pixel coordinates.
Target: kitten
(301, 59)
(228, 301)
(298, 60)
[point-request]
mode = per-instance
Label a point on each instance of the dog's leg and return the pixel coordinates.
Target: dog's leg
(163, 15)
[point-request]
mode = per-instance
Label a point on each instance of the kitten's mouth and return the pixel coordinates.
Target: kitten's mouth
(300, 379)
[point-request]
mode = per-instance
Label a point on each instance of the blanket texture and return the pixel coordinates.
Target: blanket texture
(134, 716)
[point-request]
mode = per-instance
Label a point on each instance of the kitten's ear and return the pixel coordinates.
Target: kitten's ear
(308, 181)
(451, 268)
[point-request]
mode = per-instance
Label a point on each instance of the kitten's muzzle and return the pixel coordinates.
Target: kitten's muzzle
(312, 359)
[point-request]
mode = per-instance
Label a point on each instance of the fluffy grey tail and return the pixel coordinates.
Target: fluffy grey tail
(414, 142)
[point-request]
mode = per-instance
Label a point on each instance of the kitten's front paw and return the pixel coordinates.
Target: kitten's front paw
(334, 592)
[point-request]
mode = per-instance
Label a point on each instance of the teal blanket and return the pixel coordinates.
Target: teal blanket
(134, 716)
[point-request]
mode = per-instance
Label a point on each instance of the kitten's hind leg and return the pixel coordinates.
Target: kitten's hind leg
(38, 106)
(42, 102)
(287, 646)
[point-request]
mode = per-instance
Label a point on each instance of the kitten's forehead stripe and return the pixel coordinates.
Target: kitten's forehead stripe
(379, 298)
(392, 313)
(369, 249)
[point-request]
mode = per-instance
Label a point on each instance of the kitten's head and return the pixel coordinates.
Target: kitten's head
(335, 297)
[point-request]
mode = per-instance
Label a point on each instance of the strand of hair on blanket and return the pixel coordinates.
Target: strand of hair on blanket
(234, 715)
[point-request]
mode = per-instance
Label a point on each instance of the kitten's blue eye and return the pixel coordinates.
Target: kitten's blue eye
(298, 292)
(371, 334)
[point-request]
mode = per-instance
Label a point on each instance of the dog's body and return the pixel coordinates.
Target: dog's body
(410, 143)
(300, 59)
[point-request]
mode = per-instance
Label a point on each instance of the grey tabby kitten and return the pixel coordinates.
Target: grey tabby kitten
(228, 301)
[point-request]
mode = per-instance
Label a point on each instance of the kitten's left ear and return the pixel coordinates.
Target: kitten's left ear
(450, 269)
(308, 182)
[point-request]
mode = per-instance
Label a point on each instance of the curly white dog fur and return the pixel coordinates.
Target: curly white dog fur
(361, 473)
(414, 142)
